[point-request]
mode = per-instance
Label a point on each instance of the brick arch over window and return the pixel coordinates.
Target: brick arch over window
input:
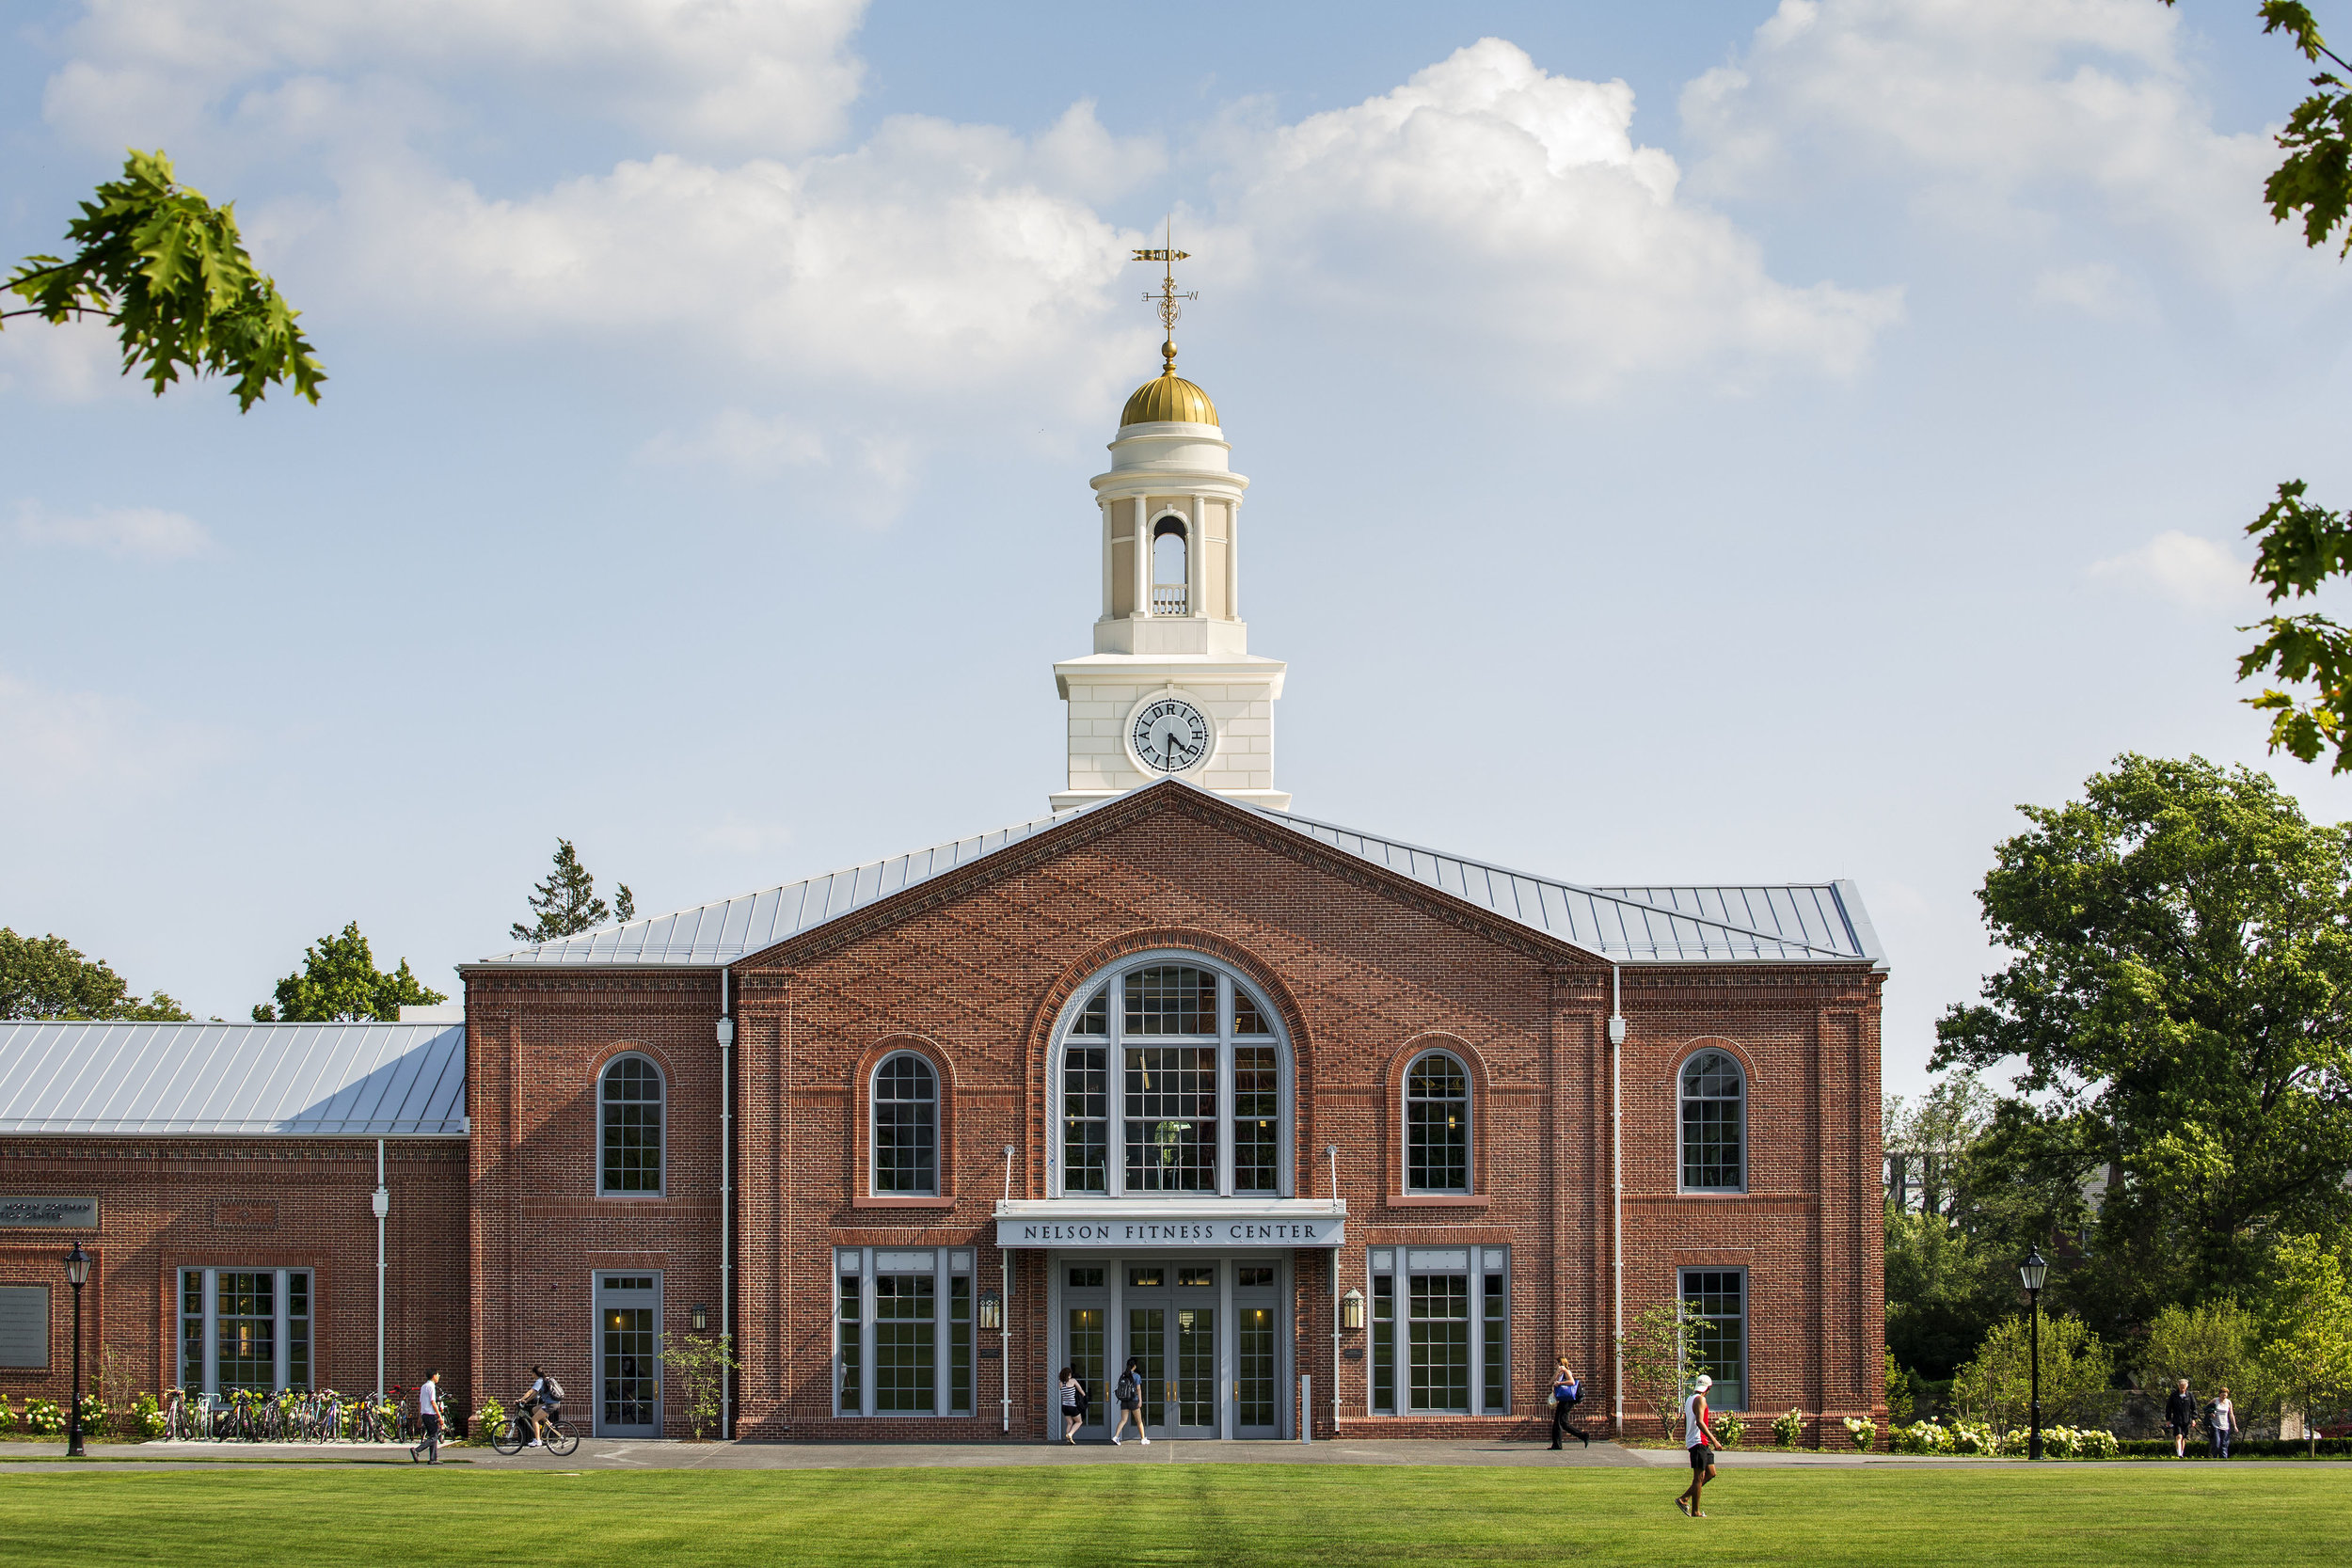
(1709, 1093)
(632, 1099)
(860, 1162)
(1248, 968)
(1395, 1154)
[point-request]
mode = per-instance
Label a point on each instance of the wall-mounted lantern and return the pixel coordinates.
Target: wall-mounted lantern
(992, 1311)
(1351, 1308)
(702, 1317)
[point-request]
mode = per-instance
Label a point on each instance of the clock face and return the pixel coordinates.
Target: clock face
(1170, 736)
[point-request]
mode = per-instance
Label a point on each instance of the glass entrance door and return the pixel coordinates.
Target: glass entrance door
(1172, 1328)
(628, 1355)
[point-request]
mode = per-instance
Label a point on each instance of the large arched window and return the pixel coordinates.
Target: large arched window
(1174, 1078)
(906, 1125)
(1714, 1124)
(629, 1133)
(1437, 1124)
(1171, 580)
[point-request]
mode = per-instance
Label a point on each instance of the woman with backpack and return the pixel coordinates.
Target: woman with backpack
(1073, 1406)
(1566, 1391)
(1128, 1391)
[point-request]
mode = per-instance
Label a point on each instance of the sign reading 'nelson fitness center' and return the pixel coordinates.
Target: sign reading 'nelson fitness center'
(1146, 1234)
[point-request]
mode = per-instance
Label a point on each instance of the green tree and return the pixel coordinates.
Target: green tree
(45, 977)
(168, 272)
(2180, 946)
(2306, 1321)
(2215, 1345)
(1997, 1385)
(339, 983)
(566, 902)
(699, 1364)
(1658, 1361)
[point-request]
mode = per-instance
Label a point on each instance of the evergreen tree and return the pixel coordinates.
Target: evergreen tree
(341, 984)
(566, 903)
(44, 977)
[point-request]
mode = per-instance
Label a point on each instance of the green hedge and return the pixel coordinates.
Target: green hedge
(2251, 1447)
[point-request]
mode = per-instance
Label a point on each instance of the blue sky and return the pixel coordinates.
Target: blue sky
(1711, 442)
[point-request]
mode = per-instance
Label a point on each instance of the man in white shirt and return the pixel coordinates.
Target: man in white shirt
(429, 1409)
(1698, 1438)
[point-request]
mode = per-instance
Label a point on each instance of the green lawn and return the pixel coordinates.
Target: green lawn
(1347, 1516)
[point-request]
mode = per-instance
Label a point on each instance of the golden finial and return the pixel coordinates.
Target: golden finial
(1167, 297)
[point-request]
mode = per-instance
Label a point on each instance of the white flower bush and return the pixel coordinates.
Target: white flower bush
(1963, 1438)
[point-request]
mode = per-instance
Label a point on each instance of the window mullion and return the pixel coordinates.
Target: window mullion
(1114, 1104)
(1224, 1101)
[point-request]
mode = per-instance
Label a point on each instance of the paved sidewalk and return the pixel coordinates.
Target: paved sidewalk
(622, 1453)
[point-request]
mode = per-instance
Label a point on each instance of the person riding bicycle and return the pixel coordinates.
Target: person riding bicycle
(543, 1403)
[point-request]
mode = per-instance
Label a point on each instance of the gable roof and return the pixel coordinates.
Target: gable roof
(1769, 923)
(245, 1079)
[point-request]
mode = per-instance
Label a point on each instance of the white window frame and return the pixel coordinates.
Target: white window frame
(207, 1380)
(1682, 1099)
(1114, 1041)
(1398, 1264)
(947, 1264)
(1469, 1124)
(873, 1140)
(661, 1129)
(1747, 1367)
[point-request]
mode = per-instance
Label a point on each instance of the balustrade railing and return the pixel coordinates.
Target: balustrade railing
(1170, 599)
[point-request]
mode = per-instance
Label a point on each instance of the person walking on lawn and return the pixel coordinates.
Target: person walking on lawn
(1699, 1439)
(429, 1413)
(1566, 1391)
(2180, 1413)
(2221, 1422)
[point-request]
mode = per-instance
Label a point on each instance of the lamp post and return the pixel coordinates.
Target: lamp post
(2032, 1272)
(76, 1275)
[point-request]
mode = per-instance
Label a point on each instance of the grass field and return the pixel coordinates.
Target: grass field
(1352, 1516)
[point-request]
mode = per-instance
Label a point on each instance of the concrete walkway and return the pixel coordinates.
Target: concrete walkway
(622, 1453)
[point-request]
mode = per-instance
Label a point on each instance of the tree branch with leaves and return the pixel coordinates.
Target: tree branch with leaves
(169, 273)
(566, 903)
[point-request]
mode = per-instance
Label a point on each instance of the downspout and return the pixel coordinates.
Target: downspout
(1331, 1152)
(382, 1202)
(726, 1203)
(1616, 1193)
(1004, 1320)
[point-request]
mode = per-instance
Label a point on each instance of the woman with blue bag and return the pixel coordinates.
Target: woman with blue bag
(1566, 1391)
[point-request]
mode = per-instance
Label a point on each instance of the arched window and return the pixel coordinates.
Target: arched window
(906, 1125)
(1174, 1078)
(1172, 580)
(1714, 1124)
(1437, 1124)
(629, 1158)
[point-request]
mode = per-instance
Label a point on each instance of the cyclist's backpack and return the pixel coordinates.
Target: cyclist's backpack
(555, 1390)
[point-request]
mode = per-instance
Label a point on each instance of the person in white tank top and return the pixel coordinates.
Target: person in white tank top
(1698, 1440)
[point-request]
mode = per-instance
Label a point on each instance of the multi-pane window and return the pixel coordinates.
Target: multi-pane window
(1437, 1124)
(906, 1125)
(245, 1328)
(1172, 1080)
(632, 1128)
(1440, 1330)
(1713, 1124)
(1715, 1331)
(903, 1331)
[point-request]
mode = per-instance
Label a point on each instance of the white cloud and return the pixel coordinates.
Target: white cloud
(71, 361)
(862, 476)
(765, 75)
(2194, 573)
(141, 532)
(2095, 288)
(83, 745)
(1488, 195)
(2009, 119)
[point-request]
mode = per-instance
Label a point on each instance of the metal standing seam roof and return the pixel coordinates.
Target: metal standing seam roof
(245, 1079)
(1792, 922)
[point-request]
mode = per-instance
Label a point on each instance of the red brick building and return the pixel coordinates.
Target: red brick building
(1315, 1125)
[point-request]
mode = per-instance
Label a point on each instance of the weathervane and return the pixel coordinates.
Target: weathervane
(1167, 297)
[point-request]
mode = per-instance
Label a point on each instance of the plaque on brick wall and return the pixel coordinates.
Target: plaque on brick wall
(249, 1213)
(25, 1326)
(21, 1212)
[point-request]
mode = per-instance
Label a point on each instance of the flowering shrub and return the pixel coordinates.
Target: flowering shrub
(1971, 1438)
(1787, 1429)
(7, 1416)
(1920, 1438)
(1728, 1428)
(1864, 1432)
(2063, 1443)
(144, 1420)
(94, 1415)
(42, 1417)
(488, 1423)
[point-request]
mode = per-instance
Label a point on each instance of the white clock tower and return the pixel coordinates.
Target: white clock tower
(1172, 687)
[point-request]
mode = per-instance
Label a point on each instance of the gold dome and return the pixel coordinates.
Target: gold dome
(1168, 396)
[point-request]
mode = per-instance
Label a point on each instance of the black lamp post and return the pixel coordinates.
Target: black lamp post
(77, 1274)
(2032, 1272)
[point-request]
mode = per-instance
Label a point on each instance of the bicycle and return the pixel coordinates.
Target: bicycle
(518, 1429)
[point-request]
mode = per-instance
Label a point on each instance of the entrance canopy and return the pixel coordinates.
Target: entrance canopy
(1144, 1225)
